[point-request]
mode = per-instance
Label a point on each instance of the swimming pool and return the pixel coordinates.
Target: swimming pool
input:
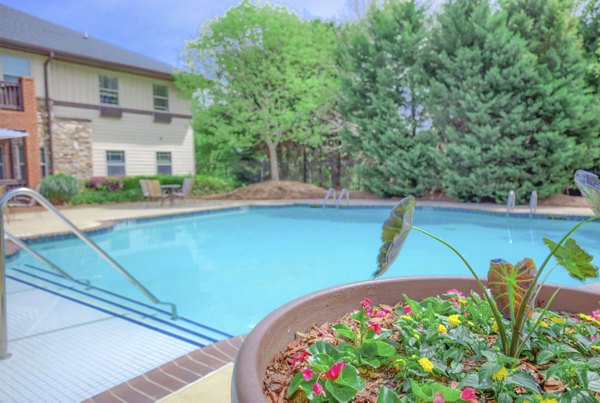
(229, 269)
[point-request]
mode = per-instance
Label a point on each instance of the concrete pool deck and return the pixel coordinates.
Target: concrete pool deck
(31, 224)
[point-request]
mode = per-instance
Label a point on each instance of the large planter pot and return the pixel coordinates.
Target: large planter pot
(277, 330)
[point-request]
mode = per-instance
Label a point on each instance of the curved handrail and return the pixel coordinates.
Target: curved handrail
(341, 196)
(46, 204)
(533, 202)
(329, 192)
(510, 203)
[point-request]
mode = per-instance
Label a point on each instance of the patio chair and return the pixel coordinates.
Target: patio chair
(155, 192)
(145, 190)
(186, 189)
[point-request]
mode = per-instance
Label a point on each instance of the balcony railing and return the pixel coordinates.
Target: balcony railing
(10, 96)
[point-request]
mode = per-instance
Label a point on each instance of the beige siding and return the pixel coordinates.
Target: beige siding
(37, 67)
(139, 137)
(78, 83)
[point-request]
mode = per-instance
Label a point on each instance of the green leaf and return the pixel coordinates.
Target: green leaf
(504, 398)
(320, 347)
(349, 377)
(450, 395)
(578, 396)
(573, 258)
(523, 380)
(589, 185)
(509, 284)
(487, 370)
(387, 395)
(294, 384)
(341, 393)
(344, 331)
(376, 348)
(545, 356)
(421, 391)
(593, 381)
(393, 234)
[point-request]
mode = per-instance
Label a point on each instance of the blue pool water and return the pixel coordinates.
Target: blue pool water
(229, 269)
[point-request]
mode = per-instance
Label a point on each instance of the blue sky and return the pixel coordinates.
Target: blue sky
(155, 28)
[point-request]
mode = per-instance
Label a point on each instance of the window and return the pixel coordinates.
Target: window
(163, 163)
(115, 163)
(109, 90)
(43, 162)
(14, 67)
(161, 97)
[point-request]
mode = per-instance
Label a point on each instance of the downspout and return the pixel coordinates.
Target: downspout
(48, 114)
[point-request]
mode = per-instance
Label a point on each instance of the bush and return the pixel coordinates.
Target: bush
(108, 183)
(59, 188)
(105, 196)
(205, 184)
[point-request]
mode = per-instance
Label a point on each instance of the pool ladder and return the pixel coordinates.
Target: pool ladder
(338, 200)
(7, 197)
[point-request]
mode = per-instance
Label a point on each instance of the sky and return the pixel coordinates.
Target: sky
(155, 28)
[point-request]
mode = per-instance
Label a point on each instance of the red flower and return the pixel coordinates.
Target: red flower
(300, 357)
(468, 394)
(407, 310)
(369, 311)
(366, 302)
(439, 398)
(380, 313)
(335, 370)
(318, 389)
(375, 327)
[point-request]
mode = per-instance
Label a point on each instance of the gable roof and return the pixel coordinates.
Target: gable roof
(19, 30)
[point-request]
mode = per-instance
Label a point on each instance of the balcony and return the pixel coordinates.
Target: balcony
(10, 96)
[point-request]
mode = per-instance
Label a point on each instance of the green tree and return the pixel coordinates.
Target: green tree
(261, 76)
(567, 137)
(589, 28)
(483, 100)
(383, 96)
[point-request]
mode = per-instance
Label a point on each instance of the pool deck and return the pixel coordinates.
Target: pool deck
(172, 374)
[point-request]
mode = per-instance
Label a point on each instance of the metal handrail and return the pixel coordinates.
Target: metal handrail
(46, 204)
(510, 203)
(329, 192)
(533, 202)
(341, 196)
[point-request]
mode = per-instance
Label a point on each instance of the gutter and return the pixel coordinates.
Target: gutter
(48, 114)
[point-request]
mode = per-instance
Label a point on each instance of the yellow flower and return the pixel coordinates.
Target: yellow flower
(414, 357)
(570, 330)
(549, 400)
(462, 301)
(500, 375)
(442, 328)
(470, 323)
(406, 317)
(494, 326)
(426, 364)
(454, 320)
(586, 317)
(543, 324)
(597, 348)
(416, 336)
(558, 320)
(399, 363)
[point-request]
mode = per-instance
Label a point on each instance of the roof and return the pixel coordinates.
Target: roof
(23, 31)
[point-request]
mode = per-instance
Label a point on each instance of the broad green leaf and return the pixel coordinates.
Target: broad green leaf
(344, 331)
(545, 356)
(421, 391)
(504, 398)
(320, 347)
(393, 234)
(450, 395)
(594, 362)
(523, 380)
(371, 361)
(589, 185)
(294, 384)
(350, 377)
(341, 393)
(472, 380)
(573, 258)
(487, 370)
(387, 395)
(322, 362)
(509, 284)
(428, 390)
(594, 381)
(578, 396)
(377, 348)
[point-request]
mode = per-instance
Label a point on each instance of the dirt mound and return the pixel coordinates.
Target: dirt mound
(560, 200)
(276, 190)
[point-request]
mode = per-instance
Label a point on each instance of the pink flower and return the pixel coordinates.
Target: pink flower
(407, 310)
(380, 313)
(594, 338)
(307, 374)
(335, 370)
(366, 302)
(454, 291)
(375, 327)
(438, 398)
(468, 394)
(300, 357)
(596, 314)
(318, 389)
(369, 311)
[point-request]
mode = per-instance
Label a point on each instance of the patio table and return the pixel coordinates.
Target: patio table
(169, 190)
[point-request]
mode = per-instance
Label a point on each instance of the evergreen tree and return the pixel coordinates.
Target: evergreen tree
(483, 99)
(383, 91)
(567, 137)
(589, 28)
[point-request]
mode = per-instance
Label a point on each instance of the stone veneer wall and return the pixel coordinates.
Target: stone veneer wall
(72, 144)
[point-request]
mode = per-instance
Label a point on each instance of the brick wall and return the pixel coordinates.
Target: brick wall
(26, 120)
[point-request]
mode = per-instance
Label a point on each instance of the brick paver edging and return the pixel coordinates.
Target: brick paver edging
(172, 376)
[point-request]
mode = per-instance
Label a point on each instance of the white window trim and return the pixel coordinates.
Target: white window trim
(155, 97)
(164, 164)
(108, 92)
(113, 164)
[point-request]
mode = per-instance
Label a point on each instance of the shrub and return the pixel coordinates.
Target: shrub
(108, 183)
(205, 184)
(105, 196)
(59, 188)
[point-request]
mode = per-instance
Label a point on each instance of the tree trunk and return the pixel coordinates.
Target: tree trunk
(272, 146)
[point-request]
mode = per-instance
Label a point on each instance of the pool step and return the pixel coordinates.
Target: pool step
(153, 317)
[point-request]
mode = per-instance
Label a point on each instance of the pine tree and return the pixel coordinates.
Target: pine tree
(567, 137)
(383, 91)
(483, 99)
